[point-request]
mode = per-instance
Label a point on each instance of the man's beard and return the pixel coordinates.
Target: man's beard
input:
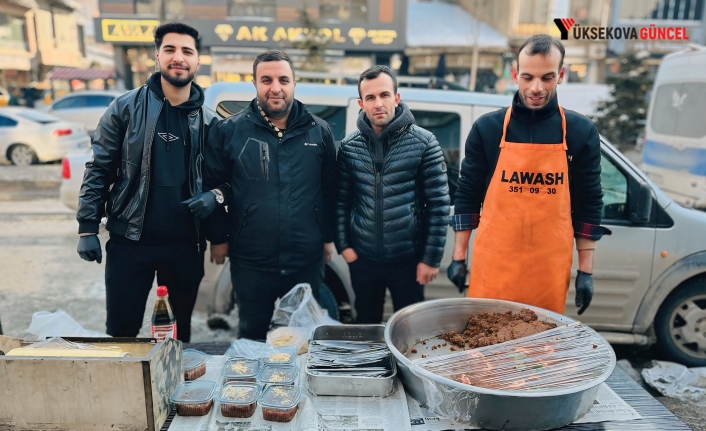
(276, 114)
(177, 81)
(550, 96)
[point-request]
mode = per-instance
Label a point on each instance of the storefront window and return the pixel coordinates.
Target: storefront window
(251, 8)
(173, 9)
(142, 64)
(12, 32)
(534, 11)
(660, 9)
(343, 10)
(578, 72)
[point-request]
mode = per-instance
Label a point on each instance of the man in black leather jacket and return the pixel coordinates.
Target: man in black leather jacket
(393, 200)
(147, 155)
(281, 163)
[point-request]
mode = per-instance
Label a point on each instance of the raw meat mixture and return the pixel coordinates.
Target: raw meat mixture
(486, 329)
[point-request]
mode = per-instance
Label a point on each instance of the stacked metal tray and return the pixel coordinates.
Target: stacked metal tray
(350, 360)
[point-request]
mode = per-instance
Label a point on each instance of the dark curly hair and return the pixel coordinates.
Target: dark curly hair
(175, 27)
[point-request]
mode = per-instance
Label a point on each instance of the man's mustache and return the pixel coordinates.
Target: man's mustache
(183, 66)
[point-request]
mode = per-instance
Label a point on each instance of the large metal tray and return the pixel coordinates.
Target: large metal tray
(487, 408)
(351, 386)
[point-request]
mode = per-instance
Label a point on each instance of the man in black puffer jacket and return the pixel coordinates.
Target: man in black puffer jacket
(393, 201)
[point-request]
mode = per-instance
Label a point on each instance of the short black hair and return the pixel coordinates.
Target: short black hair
(374, 72)
(271, 55)
(175, 27)
(541, 44)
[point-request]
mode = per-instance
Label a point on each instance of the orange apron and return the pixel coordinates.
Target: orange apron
(523, 248)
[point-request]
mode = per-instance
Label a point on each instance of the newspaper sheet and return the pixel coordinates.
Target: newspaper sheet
(314, 413)
(608, 406)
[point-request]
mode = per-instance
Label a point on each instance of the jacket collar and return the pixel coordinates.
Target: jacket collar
(403, 118)
(297, 115)
(527, 115)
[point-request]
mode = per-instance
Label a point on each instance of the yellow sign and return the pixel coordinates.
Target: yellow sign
(223, 31)
(335, 35)
(128, 30)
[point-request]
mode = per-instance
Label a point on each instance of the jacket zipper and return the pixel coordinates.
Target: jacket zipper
(266, 158)
(378, 210)
(191, 167)
(147, 183)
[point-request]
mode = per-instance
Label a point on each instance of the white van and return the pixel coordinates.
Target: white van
(649, 275)
(674, 154)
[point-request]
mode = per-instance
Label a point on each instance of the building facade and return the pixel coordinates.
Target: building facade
(358, 33)
(35, 37)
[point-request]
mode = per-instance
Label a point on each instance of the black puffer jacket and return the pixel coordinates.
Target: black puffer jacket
(116, 181)
(394, 206)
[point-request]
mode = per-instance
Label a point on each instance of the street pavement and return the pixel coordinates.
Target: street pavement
(40, 270)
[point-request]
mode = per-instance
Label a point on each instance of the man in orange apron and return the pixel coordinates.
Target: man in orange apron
(535, 169)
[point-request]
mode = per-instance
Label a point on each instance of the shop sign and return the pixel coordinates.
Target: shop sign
(128, 30)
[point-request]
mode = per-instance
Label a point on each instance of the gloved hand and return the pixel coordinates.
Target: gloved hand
(89, 248)
(202, 205)
(457, 274)
(584, 290)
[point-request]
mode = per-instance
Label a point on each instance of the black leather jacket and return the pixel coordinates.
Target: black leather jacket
(118, 174)
(393, 196)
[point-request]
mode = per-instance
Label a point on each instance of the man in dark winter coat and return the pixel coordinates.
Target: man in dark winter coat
(393, 201)
(147, 153)
(280, 161)
(536, 170)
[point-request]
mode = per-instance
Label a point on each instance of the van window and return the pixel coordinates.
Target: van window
(615, 191)
(231, 107)
(335, 116)
(446, 126)
(679, 108)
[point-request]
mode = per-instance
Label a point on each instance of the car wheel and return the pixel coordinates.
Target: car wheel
(22, 155)
(680, 324)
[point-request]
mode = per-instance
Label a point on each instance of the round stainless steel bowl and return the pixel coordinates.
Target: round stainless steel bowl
(487, 408)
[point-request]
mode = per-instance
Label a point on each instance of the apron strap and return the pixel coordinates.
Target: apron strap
(508, 114)
(563, 128)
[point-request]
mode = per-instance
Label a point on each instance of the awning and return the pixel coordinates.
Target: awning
(82, 74)
(29, 4)
(436, 24)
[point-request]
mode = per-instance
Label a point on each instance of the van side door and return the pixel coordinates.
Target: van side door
(622, 266)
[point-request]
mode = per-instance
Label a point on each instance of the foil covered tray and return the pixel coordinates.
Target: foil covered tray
(350, 360)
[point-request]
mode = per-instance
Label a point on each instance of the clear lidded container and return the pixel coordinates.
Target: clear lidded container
(193, 362)
(194, 398)
(241, 370)
(280, 402)
(285, 355)
(238, 399)
(278, 374)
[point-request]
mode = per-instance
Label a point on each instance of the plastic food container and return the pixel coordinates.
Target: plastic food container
(194, 398)
(241, 370)
(238, 399)
(278, 374)
(281, 356)
(193, 363)
(280, 403)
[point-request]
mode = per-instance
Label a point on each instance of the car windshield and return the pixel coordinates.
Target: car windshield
(37, 117)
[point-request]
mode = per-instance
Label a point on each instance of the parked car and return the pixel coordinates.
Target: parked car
(28, 136)
(85, 107)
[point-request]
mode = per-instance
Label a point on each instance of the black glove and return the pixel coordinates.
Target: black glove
(584, 290)
(457, 274)
(202, 205)
(89, 248)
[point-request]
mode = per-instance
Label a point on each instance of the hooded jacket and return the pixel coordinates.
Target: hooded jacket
(393, 197)
(118, 179)
(281, 211)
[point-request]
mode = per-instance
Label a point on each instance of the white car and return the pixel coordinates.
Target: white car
(85, 107)
(28, 136)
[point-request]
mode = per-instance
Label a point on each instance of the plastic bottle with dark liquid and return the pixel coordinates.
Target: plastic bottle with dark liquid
(163, 320)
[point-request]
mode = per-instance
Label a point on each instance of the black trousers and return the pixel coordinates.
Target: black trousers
(371, 279)
(129, 273)
(256, 292)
